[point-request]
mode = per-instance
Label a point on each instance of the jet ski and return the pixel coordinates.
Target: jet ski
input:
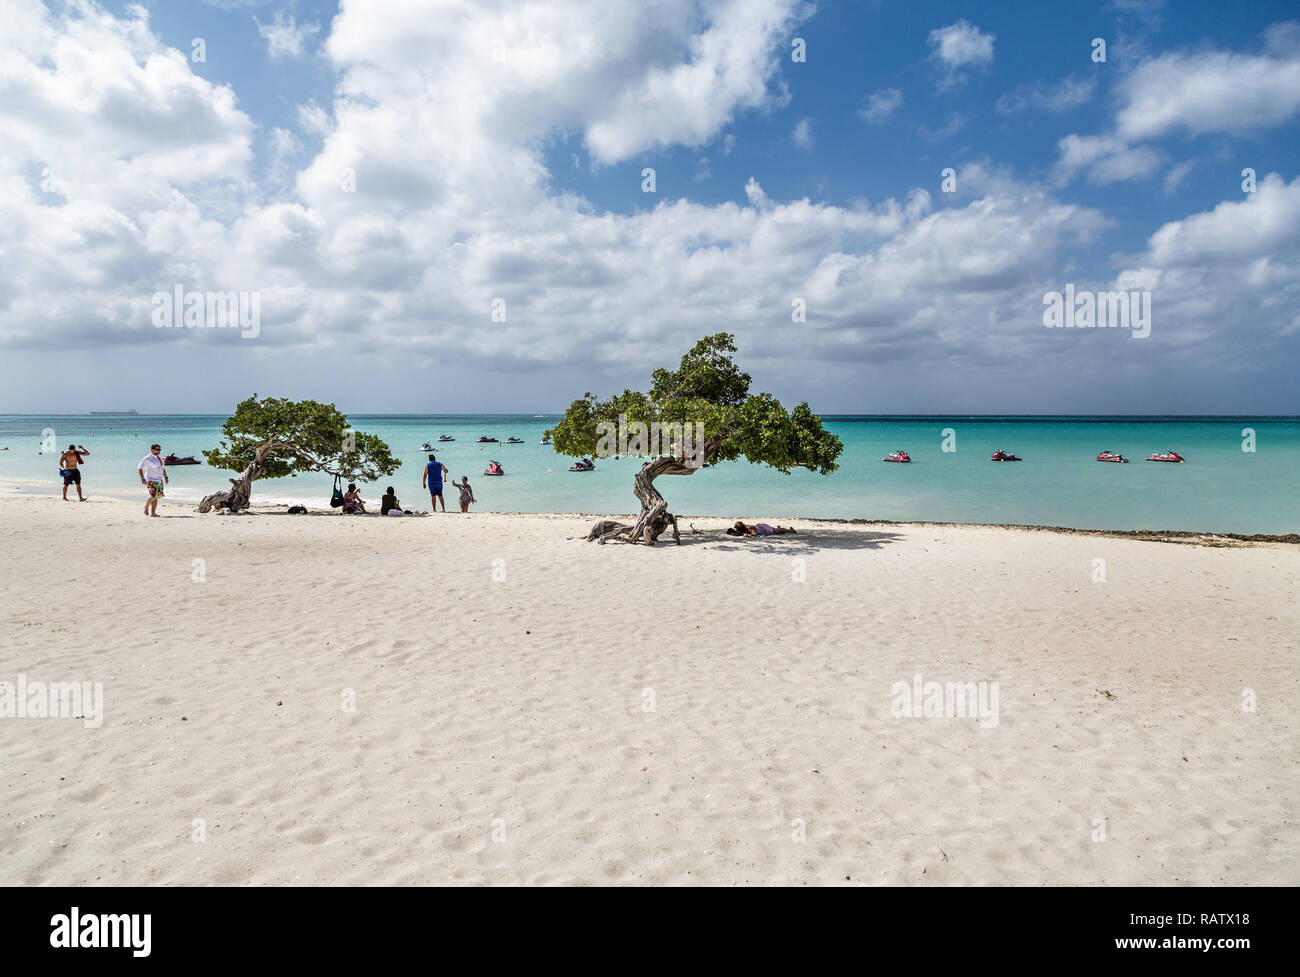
(1001, 455)
(494, 468)
(426, 446)
(899, 455)
(586, 465)
(544, 441)
(484, 439)
(446, 437)
(514, 440)
(1166, 456)
(187, 460)
(1112, 456)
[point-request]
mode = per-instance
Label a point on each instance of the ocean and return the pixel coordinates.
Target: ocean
(1221, 487)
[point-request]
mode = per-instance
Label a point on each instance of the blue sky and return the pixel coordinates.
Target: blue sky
(496, 152)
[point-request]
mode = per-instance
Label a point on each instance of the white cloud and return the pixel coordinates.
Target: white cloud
(1210, 91)
(1189, 93)
(629, 78)
(109, 108)
(1261, 224)
(284, 36)
(1106, 159)
(1070, 93)
(1178, 175)
(954, 124)
(729, 65)
(283, 146)
(135, 143)
(802, 136)
(879, 106)
(958, 46)
(1145, 10)
(1231, 272)
(314, 118)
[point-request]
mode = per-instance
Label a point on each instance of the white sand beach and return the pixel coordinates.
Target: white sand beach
(533, 708)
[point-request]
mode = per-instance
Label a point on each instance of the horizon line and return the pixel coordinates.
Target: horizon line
(110, 415)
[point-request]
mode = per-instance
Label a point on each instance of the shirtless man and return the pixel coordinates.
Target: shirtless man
(68, 462)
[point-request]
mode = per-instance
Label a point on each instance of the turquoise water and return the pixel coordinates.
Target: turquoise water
(1221, 488)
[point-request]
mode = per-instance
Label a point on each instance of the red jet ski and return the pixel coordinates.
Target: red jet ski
(486, 440)
(494, 468)
(1167, 456)
(586, 465)
(187, 460)
(899, 455)
(1001, 455)
(1112, 456)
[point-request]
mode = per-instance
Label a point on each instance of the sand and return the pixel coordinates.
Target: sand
(490, 699)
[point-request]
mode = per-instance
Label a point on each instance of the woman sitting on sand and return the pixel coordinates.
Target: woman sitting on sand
(758, 529)
(388, 505)
(352, 502)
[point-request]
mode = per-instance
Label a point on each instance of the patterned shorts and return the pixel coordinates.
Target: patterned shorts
(155, 490)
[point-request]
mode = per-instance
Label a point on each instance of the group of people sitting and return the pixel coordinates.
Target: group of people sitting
(389, 506)
(353, 503)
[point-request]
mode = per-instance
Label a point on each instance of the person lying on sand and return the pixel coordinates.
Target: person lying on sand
(758, 529)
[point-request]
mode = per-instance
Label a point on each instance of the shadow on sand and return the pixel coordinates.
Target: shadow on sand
(804, 541)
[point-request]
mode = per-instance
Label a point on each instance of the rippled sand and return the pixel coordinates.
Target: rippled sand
(454, 699)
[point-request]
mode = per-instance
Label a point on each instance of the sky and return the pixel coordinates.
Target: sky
(491, 206)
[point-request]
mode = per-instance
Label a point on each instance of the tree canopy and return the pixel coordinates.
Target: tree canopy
(708, 388)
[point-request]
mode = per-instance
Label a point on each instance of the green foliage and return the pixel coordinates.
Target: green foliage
(299, 436)
(707, 387)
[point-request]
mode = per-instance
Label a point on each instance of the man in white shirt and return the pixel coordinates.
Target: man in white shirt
(153, 476)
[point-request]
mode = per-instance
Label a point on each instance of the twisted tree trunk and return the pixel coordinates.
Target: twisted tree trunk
(655, 519)
(238, 497)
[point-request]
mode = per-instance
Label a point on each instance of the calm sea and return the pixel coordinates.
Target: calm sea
(1221, 487)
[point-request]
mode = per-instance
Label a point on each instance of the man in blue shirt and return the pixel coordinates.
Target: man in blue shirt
(433, 473)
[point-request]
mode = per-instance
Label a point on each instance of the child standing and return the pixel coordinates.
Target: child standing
(466, 493)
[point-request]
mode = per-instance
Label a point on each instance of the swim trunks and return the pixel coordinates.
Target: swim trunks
(155, 490)
(71, 476)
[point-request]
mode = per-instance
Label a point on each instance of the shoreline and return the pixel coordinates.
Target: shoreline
(1204, 537)
(1227, 489)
